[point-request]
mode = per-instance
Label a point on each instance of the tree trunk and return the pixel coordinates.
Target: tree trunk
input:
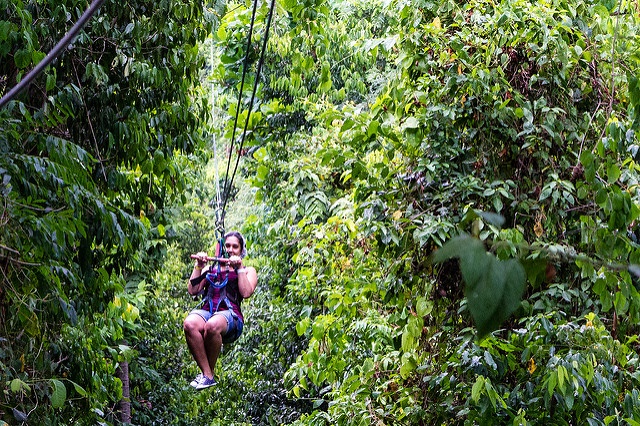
(124, 406)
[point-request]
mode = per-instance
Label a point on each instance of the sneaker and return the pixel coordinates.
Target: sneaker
(205, 383)
(197, 380)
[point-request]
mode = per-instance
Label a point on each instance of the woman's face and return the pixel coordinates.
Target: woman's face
(232, 245)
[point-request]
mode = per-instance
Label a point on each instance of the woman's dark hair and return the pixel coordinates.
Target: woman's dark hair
(238, 235)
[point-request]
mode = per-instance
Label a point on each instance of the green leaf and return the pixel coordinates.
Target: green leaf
(51, 81)
(514, 287)
(489, 360)
(493, 218)
(411, 123)
(69, 310)
(159, 162)
(37, 56)
(613, 173)
(423, 306)
(408, 364)
(348, 123)
(562, 373)
(146, 167)
(59, 394)
(475, 263)
(457, 247)
(496, 292)
(303, 325)
(493, 287)
(477, 388)
(262, 172)
(372, 129)
(535, 270)
(414, 325)
(621, 303)
(29, 320)
(5, 26)
(578, 50)
(411, 334)
(408, 341)
(551, 384)
(22, 58)
(483, 290)
(16, 385)
(81, 391)
(491, 392)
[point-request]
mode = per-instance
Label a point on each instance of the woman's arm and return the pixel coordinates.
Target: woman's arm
(197, 281)
(247, 276)
(247, 281)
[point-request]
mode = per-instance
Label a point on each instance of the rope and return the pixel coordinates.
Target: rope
(53, 54)
(253, 95)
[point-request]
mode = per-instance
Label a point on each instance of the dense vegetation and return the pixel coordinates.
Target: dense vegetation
(441, 199)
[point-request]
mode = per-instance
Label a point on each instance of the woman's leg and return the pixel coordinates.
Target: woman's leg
(194, 326)
(214, 329)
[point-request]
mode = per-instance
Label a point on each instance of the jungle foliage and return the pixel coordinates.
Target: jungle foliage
(444, 206)
(505, 134)
(93, 155)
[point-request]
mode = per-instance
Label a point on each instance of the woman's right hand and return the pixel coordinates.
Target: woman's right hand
(201, 259)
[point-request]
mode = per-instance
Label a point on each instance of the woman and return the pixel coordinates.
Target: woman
(219, 318)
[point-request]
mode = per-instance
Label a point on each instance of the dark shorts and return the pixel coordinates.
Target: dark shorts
(234, 323)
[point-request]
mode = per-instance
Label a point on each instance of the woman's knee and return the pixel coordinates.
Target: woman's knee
(216, 325)
(192, 323)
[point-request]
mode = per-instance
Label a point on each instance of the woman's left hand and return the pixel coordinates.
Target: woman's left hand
(235, 261)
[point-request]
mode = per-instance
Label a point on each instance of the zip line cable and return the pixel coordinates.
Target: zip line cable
(219, 223)
(225, 192)
(253, 95)
(54, 53)
(219, 212)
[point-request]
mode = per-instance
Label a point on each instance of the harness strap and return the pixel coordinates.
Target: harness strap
(223, 297)
(213, 281)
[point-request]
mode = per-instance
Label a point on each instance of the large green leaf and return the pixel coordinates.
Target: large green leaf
(58, 394)
(493, 287)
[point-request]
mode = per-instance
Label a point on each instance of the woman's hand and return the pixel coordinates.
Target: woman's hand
(235, 262)
(201, 260)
